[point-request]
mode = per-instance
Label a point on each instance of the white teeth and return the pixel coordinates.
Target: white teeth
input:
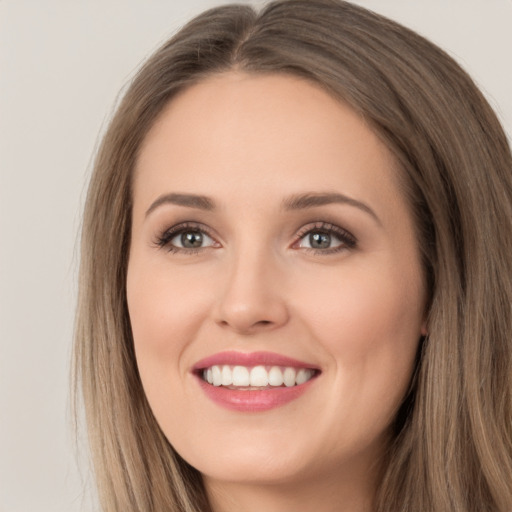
(257, 376)
(275, 376)
(289, 377)
(227, 377)
(240, 376)
(303, 375)
(217, 376)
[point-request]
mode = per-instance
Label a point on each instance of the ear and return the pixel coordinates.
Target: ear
(424, 326)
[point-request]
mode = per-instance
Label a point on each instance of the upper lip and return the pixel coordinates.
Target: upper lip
(236, 358)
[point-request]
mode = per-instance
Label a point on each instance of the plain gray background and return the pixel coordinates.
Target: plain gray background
(62, 64)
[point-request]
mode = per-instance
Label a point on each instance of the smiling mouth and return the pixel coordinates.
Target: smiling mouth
(255, 381)
(250, 378)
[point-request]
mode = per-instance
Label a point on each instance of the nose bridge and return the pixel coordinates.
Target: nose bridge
(252, 298)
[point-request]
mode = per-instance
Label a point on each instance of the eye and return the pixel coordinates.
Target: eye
(322, 237)
(191, 240)
(320, 240)
(186, 238)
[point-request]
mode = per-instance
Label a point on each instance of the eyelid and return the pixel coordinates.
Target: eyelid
(163, 240)
(348, 240)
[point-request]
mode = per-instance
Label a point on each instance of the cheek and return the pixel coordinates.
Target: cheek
(370, 325)
(360, 305)
(166, 310)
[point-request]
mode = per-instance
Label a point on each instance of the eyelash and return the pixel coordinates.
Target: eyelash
(164, 240)
(348, 241)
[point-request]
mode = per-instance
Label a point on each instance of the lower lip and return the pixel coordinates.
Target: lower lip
(253, 401)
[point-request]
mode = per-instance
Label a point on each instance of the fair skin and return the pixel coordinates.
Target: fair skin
(334, 283)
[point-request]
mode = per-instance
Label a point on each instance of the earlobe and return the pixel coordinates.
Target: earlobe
(424, 329)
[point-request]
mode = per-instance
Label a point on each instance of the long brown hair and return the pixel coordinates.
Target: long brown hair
(452, 448)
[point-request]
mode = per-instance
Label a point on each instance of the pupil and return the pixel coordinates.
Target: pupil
(192, 239)
(320, 240)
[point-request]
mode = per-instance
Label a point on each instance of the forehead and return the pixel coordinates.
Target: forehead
(258, 134)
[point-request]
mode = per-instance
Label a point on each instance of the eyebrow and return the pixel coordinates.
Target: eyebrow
(187, 200)
(295, 202)
(312, 200)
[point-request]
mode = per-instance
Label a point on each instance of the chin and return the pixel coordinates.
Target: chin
(262, 470)
(256, 461)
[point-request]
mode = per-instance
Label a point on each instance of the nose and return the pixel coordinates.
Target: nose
(252, 298)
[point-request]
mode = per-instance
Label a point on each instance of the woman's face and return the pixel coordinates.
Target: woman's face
(271, 243)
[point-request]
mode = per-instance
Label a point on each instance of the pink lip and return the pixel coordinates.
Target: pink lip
(251, 400)
(251, 359)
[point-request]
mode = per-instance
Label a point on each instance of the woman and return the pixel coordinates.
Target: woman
(295, 281)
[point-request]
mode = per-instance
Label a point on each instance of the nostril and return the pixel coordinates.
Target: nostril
(262, 324)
